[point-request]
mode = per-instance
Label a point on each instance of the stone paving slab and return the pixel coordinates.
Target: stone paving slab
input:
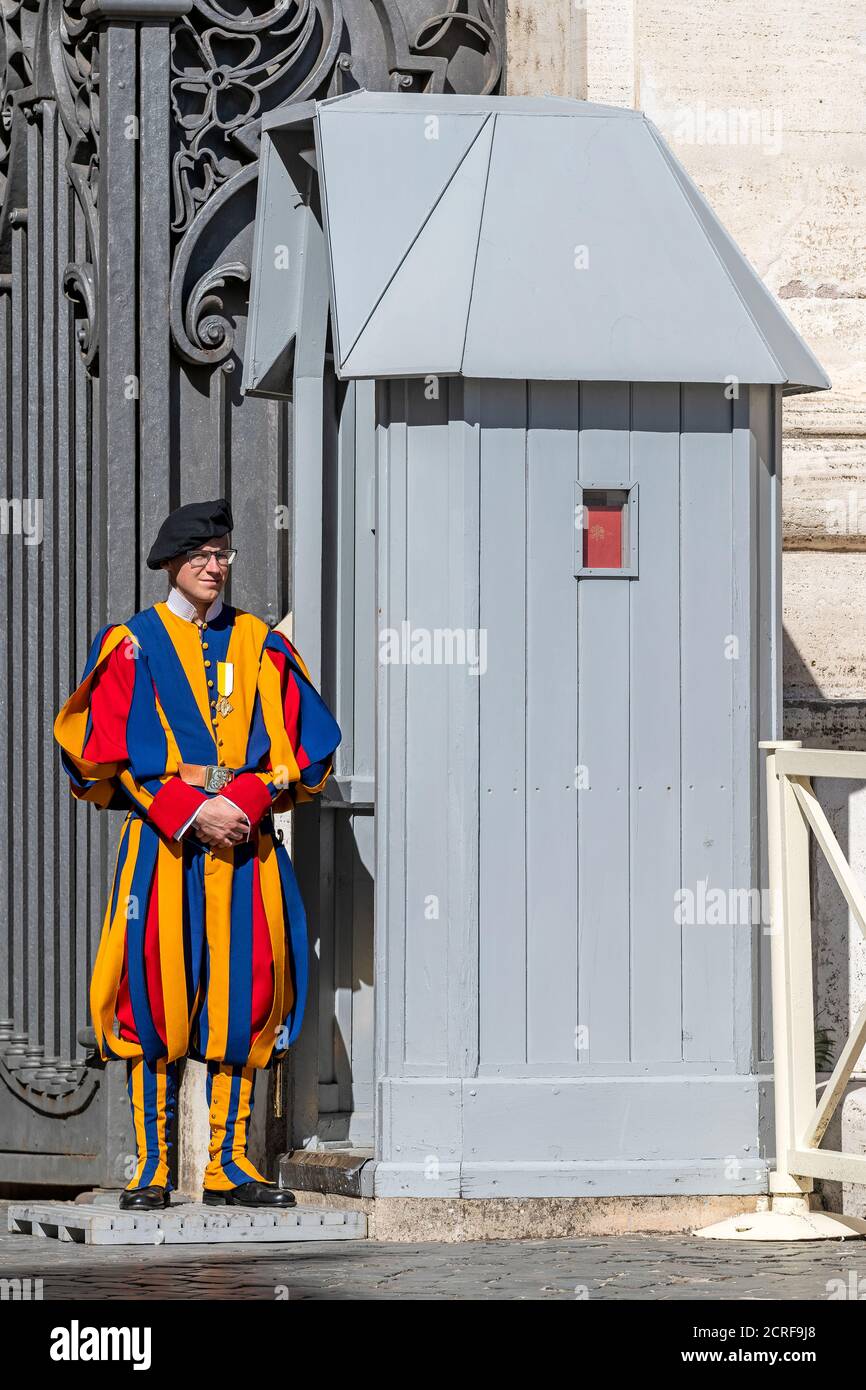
(599, 1269)
(189, 1223)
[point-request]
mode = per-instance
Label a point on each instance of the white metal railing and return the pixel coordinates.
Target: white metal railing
(793, 811)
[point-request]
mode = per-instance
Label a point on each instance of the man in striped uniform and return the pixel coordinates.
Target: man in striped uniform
(198, 721)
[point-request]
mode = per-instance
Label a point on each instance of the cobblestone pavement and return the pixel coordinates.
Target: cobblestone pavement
(630, 1267)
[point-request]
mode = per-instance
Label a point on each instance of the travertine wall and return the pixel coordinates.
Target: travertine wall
(766, 107)
(765, 104)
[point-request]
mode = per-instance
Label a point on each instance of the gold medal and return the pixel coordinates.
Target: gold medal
(225, 686)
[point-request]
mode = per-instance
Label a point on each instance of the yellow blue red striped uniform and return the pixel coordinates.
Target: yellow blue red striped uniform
(202, 953)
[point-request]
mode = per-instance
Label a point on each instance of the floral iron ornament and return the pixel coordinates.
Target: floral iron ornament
(225, 74)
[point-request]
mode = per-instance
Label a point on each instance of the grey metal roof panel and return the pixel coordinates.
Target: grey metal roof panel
(432, 286)
(609, 276)
(783, 340)
(427, 170)
(293, 114)
(455, 228)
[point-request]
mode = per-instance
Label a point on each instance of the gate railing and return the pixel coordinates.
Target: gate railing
(793, 811)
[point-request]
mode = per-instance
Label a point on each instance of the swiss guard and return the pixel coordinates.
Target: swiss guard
(198, 721)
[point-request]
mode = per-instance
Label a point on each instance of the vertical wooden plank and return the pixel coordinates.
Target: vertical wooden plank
(745, 732)
(775, 560)
(359, 596)
(331, 1023)
(604, 675)
(362, 849)
(464, 682)
(502, 766)
(253, 485)
(707, 522)
(551, 725)
(761, 423)
(307, 597)
(363, 585)
(345, 1002)
(323, 913)
(654, 729)
(391, 593)
(336, 964)
(345, 524)
(428, 756)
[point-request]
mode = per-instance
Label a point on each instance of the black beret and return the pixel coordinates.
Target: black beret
(186, 528)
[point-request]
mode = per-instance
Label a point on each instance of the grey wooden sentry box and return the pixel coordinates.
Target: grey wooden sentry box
(578, 415)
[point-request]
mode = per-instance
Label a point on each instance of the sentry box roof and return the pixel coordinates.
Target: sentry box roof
(505, 237)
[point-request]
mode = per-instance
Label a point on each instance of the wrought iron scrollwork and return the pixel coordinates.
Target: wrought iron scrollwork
(228, 68)
(231, 62)
(232, 66)
(73, 48)
(45, 1084)
(209, 332)
(18, 21)
(438, 33)
(79, 286)
(434, 60)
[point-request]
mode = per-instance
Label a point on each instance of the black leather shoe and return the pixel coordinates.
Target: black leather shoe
(250, 1194)
(144, 1199)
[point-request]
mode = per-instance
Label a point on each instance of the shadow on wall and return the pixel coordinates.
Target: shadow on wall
(838, 955)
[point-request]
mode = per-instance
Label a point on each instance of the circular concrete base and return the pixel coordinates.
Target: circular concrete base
(782, 1225)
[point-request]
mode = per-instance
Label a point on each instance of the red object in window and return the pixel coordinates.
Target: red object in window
(602, 535)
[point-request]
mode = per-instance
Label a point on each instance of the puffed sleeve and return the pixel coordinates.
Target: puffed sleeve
(115, 749)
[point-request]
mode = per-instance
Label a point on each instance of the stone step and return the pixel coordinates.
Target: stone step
(335, 1171)
(191, 1223)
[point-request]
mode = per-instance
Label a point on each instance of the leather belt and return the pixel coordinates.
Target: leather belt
(208, 776)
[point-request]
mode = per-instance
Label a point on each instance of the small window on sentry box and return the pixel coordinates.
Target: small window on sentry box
(606, 531)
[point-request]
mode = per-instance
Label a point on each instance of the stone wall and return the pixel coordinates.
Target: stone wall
(766, 107)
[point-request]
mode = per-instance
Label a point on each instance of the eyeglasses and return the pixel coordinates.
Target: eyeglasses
(199, 558)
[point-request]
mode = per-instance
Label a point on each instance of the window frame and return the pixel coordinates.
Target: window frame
(628, 570)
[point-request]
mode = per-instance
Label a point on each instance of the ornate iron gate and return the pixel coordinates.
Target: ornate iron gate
(129, 134)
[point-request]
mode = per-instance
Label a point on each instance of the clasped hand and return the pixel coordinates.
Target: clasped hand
(220, 824)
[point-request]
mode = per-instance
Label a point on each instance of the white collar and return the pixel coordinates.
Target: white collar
(182, 607)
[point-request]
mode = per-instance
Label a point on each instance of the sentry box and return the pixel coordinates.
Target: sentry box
(574, 381)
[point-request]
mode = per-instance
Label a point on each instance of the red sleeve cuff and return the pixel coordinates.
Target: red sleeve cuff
(173, 805)
(250, 794)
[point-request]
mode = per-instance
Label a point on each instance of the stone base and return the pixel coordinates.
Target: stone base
(533, 1218)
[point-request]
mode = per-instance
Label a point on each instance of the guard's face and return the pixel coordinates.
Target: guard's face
(201, 574)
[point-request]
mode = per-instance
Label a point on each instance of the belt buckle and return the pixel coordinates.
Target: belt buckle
(215, 778)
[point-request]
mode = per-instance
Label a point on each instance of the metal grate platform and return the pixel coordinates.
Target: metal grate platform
(190, 1223)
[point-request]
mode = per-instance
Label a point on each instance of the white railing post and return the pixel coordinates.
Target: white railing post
(791, 971)
(787, 1214)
